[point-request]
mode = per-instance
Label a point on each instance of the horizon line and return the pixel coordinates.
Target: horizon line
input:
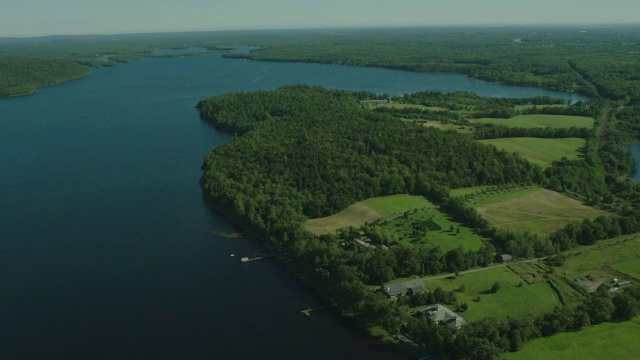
(344, 27)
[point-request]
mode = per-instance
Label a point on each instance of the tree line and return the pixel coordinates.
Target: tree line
(491, 131)
(20, 76)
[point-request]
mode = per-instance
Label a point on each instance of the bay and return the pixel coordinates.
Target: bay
(107, 249)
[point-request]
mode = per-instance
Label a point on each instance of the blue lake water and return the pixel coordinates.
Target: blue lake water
(190, 50)
(107, 249)
(634, 149)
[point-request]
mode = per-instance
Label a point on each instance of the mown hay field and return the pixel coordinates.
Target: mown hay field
(540, 151)
(537, 210)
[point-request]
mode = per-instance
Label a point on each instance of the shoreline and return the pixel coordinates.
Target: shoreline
(44, 86)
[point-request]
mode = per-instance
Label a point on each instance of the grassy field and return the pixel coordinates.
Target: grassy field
(431, 123)
(537, 272)
(540, 121)
(604, 258)
(367, 211)
(511, 300)
(611, 258)
(537, 210)
(630, 267)
(403, 228)
(540, 151)
(601, 342)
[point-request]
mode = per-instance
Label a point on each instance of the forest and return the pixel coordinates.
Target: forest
(22, 76)
(321, 152)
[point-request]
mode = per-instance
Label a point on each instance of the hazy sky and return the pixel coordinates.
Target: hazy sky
(49, 17)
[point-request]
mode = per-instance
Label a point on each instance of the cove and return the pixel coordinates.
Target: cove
(107, 249)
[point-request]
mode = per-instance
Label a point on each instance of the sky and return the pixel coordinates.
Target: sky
(26, 18)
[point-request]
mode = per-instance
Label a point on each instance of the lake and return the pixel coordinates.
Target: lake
(634, 149)
(107, 249)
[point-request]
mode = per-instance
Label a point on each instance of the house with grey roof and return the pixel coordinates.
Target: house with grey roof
(366, 243)
(614, 284)
(410, 287)
(505, 259)
(442, 315)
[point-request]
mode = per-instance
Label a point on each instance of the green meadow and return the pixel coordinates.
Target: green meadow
(397, 204)
(443, 231)
(367, 211)
(629, 266)
(606, 341)
(540, 151)
(607, 257)
(515, 298)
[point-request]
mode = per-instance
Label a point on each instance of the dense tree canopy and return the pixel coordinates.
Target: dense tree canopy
(311, 151)
(20, 76)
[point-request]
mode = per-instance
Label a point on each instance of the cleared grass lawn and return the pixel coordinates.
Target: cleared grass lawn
(607, 257)
(601, 342)
(367, 211)
(403, 228)
(397, 204)
(541, 121)
(631, 267)
(511, 300)
(540, 151)
(537, 210)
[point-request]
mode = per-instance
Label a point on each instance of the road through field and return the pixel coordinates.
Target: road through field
(480, 269)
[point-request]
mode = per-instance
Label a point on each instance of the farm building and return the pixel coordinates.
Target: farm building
(403, 288)
(366, 243)
(614, 284)
(442, 315)
(505, 259)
